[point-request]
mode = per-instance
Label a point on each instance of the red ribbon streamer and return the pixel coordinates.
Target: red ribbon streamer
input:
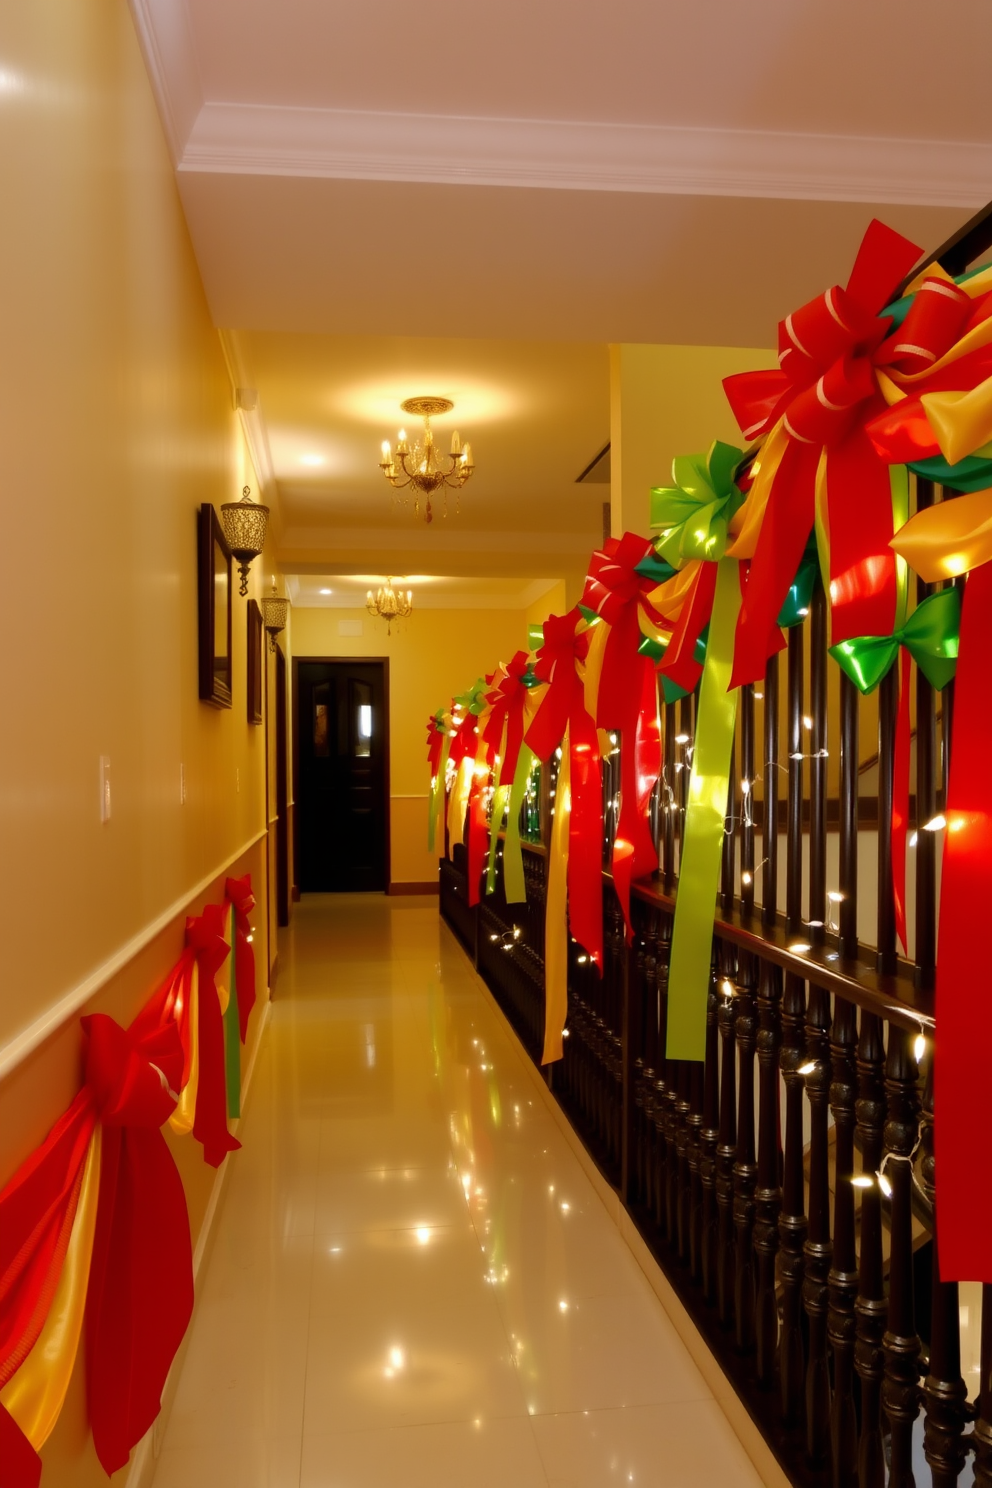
(628, 700)
(563, 707)
(140, 1294)
(238, 893)
(205, 936)
(20, 1465)
(963, 1035)
(825, 391)
(507, 702)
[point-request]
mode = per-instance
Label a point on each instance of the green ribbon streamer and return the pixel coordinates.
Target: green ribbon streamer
(930, 635)
(691, 517)
(437, 784)
(705, 823)
(514, 885)
(970, 474)
(232, 1033)
(795, 606)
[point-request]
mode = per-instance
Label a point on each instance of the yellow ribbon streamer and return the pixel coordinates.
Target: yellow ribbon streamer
(184, 1115)
(947, 540)
(35, 1394)
(458, 800)
(556, 917)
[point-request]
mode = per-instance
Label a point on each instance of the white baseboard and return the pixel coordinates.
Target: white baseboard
(145, 1455)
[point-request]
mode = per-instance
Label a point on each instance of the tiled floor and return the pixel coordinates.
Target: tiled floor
(413, 1284)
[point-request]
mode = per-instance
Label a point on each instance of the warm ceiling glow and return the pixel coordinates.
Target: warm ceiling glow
(312, 460)
(373, 403)
(326, 591)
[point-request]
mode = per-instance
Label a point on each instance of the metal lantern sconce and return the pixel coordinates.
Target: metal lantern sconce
(275, 613)
(245, 522)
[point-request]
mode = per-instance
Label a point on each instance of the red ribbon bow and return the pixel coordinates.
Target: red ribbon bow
(823, 395)
(507, 700)
(563, 707)
(240, 897)
(205, 938)
(628, 699)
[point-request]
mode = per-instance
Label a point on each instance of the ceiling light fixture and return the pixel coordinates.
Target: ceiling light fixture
(245, 522)
(420, 465)
(388, 605)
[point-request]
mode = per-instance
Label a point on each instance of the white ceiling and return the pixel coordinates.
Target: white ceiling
(430, 591)
(382, 195)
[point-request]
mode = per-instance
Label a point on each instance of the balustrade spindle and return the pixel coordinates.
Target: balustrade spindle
(727, 866)
(769, 770)
(694, 1123)
(842, 1282)
(888, 695)
(848, 840)
(671, 1123)
(708, 1137)
(944, 1391)
(818, 768)
(665, 1075)
(745, 1167)
(817, 1249)
(768, 1195)
(926, 800)
(901, 1346)
(746, 708)
(870, 1307)
(792, 1219)
(983, 1424)
(682, 1108)
(794, 815)
(667, 813)
(726, 1150)
(648, 1077)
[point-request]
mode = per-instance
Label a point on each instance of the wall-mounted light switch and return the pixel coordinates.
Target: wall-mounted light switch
(105, 787)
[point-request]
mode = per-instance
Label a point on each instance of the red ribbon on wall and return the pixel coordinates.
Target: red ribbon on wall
(563, 708)
(140, 1295)
(238, 893)
(627, 699)
(963, 1036)
(206, 938)
(820, 399)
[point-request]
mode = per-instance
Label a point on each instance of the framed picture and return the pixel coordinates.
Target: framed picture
(256, 636)
(214, 605)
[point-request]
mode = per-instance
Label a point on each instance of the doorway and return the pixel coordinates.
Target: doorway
(342, 750)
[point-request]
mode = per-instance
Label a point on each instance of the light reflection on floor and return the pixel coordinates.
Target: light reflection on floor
(413, 1284)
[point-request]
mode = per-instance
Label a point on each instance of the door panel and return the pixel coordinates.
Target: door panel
(341, 792)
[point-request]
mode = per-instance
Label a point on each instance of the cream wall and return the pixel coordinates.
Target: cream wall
(667, 401)
(433, 655)
(116, 422)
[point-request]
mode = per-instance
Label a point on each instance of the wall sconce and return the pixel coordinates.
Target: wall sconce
(275, 613)
(245, 522)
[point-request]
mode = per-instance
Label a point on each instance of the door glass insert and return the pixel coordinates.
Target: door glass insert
(321, 720)
(363, 732)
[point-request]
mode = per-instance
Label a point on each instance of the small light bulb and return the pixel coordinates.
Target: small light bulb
(746, 877)
(884, 1185)
(799, 947)
(681, 738)
(807, 1068)
(862, 1180)
(935, 824)
(834, 896)
(919, 1047)
(807, 721)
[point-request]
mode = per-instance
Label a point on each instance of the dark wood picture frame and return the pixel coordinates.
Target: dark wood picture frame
(214, 609)
(256, 651)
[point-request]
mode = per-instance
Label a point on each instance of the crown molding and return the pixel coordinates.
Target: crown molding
(249, 139)
(423, 539)
(166, 43)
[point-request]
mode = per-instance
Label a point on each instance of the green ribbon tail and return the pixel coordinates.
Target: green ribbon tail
(232, 1033)
(514, 886)
(437, 794)
(500, 797)
(705, 823)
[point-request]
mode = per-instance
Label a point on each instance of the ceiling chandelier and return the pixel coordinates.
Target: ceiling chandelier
(420, 466)
(388, 605)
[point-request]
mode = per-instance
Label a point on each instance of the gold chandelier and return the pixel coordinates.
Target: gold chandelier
(420, 466)
(388, 605)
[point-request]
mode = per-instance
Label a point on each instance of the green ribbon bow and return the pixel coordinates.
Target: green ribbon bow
(474, 700)
(930, 635)
(692, 516)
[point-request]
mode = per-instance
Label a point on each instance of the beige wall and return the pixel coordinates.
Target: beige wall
(116, 422)
(433, 655)
(667, 401)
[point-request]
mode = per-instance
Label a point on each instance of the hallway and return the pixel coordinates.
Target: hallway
(411, 1281)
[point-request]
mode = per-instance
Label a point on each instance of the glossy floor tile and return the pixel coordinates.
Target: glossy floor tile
(411, 1281)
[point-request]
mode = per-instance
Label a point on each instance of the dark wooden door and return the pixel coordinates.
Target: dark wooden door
(341, 793)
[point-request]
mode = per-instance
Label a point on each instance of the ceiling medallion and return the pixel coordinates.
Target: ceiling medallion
(388, 605)
(420, 466)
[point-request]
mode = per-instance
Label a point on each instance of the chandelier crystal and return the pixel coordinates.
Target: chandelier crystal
(420, 465)
(388, 605)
